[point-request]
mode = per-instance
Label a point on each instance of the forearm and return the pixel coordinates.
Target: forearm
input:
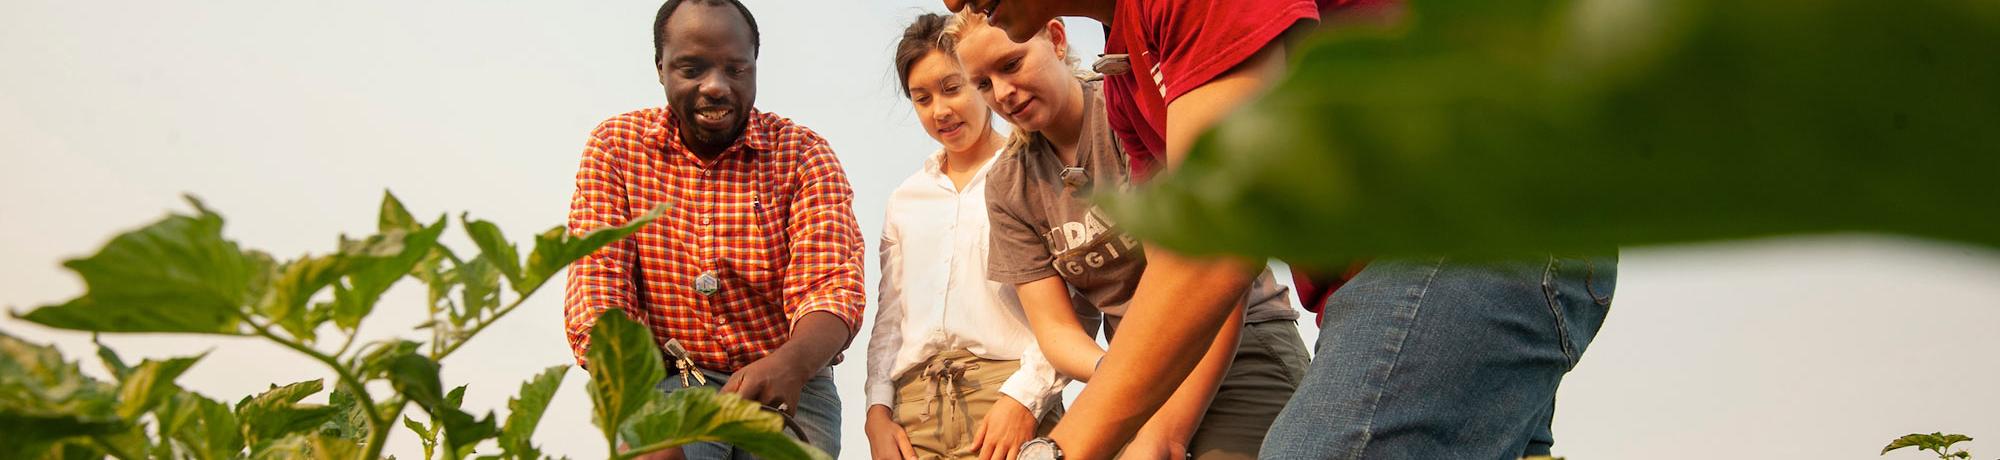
(1071, 352)
(1053, 319)
(1180, 307)
(1177, 420)
(816, 338)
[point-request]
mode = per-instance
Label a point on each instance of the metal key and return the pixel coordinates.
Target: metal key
(683, 361)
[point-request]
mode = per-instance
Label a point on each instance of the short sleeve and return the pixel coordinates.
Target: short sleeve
(1199, 40)
(1015, 253)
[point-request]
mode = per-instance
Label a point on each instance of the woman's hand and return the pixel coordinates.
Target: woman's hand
(886, 438)
(1007, 425)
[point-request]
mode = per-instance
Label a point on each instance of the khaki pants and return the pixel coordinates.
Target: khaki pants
(1270, 361)
(941, 404)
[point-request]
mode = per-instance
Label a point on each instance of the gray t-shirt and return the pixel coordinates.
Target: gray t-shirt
(1043, 228)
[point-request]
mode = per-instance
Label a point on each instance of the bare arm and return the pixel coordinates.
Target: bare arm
(1177, 420)
(1182, 303)
(1053, 318)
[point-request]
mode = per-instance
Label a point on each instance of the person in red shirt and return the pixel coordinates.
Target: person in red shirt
(755, 269)
(1417, 358)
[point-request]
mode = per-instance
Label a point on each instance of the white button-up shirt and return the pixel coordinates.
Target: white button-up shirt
(935, 296)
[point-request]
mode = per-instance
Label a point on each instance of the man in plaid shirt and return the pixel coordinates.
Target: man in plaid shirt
(755, 269)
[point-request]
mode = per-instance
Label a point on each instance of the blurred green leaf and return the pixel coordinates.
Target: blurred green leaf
(1938, 442)
(703, 415)
(308, 446)
(129, 443)
(424, 433)
(462, 432)
(416, 378)
(112, 363)
(376, 357)
(176, 275)
(1593, 124)
(285, 302)
(481, 289)
(150, 383)
(624, 365)
(494, 247)
(209, 430)
(45, 400)
(371, 281)
(524, 412)
(557, 248)
(275, 414)
(352, 423)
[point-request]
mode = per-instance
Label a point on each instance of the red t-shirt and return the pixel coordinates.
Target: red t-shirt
(1178, 45)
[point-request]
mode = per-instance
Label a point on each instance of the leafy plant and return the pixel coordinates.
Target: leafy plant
(1495, 128)
(180, 275)
(1938, 443)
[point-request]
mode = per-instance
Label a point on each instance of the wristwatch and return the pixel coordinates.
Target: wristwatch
(1041, 448)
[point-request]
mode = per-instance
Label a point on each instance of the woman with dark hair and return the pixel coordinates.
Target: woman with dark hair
(953, 370)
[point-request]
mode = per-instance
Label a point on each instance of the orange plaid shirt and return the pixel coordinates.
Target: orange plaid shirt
(772, 218)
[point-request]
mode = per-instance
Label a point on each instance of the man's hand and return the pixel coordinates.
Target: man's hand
(775, 380)
(1007, 424)
(886, 438)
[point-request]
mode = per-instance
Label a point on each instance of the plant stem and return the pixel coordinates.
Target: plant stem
(378, 429)
(651, 448)
(497, 314)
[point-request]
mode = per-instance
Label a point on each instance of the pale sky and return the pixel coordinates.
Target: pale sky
(290, 118)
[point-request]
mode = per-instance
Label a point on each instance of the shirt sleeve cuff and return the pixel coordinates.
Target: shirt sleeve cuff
(882, 394)
(1033, 391)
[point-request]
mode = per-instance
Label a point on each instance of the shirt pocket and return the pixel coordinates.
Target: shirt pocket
(753, 240)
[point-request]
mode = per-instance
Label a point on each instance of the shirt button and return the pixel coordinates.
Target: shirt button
(704, 220)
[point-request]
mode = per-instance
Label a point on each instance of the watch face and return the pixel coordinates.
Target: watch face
(1038, 449)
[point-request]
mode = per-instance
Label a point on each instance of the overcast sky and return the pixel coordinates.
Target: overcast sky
(290, 118)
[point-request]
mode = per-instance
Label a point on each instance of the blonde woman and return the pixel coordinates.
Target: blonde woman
(953, 371)
(1049, 240)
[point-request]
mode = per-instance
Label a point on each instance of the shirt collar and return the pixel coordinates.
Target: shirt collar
(758, 135)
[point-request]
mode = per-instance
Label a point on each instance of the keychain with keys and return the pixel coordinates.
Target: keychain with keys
(683, 361)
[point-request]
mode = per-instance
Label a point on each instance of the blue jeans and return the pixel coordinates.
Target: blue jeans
(818, 415)
(1440, 359)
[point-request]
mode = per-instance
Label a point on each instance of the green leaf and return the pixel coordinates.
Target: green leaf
(308, 446)
(352, 423)
(1600, 124)
(153, 381)
(462, 433)
(482, 289)
(175, 275)
(275, 414)
(130, 443)
(416, 378)
(494, 247)
(1935, 442)
(423, 432)
(371, 281)
(44, 399)
(557, 248)
(112, 363)
(209, 429)
(703, 415)
(394, 216)
(524, 411)
(624, 365)
(377, 356)
(285, 302)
